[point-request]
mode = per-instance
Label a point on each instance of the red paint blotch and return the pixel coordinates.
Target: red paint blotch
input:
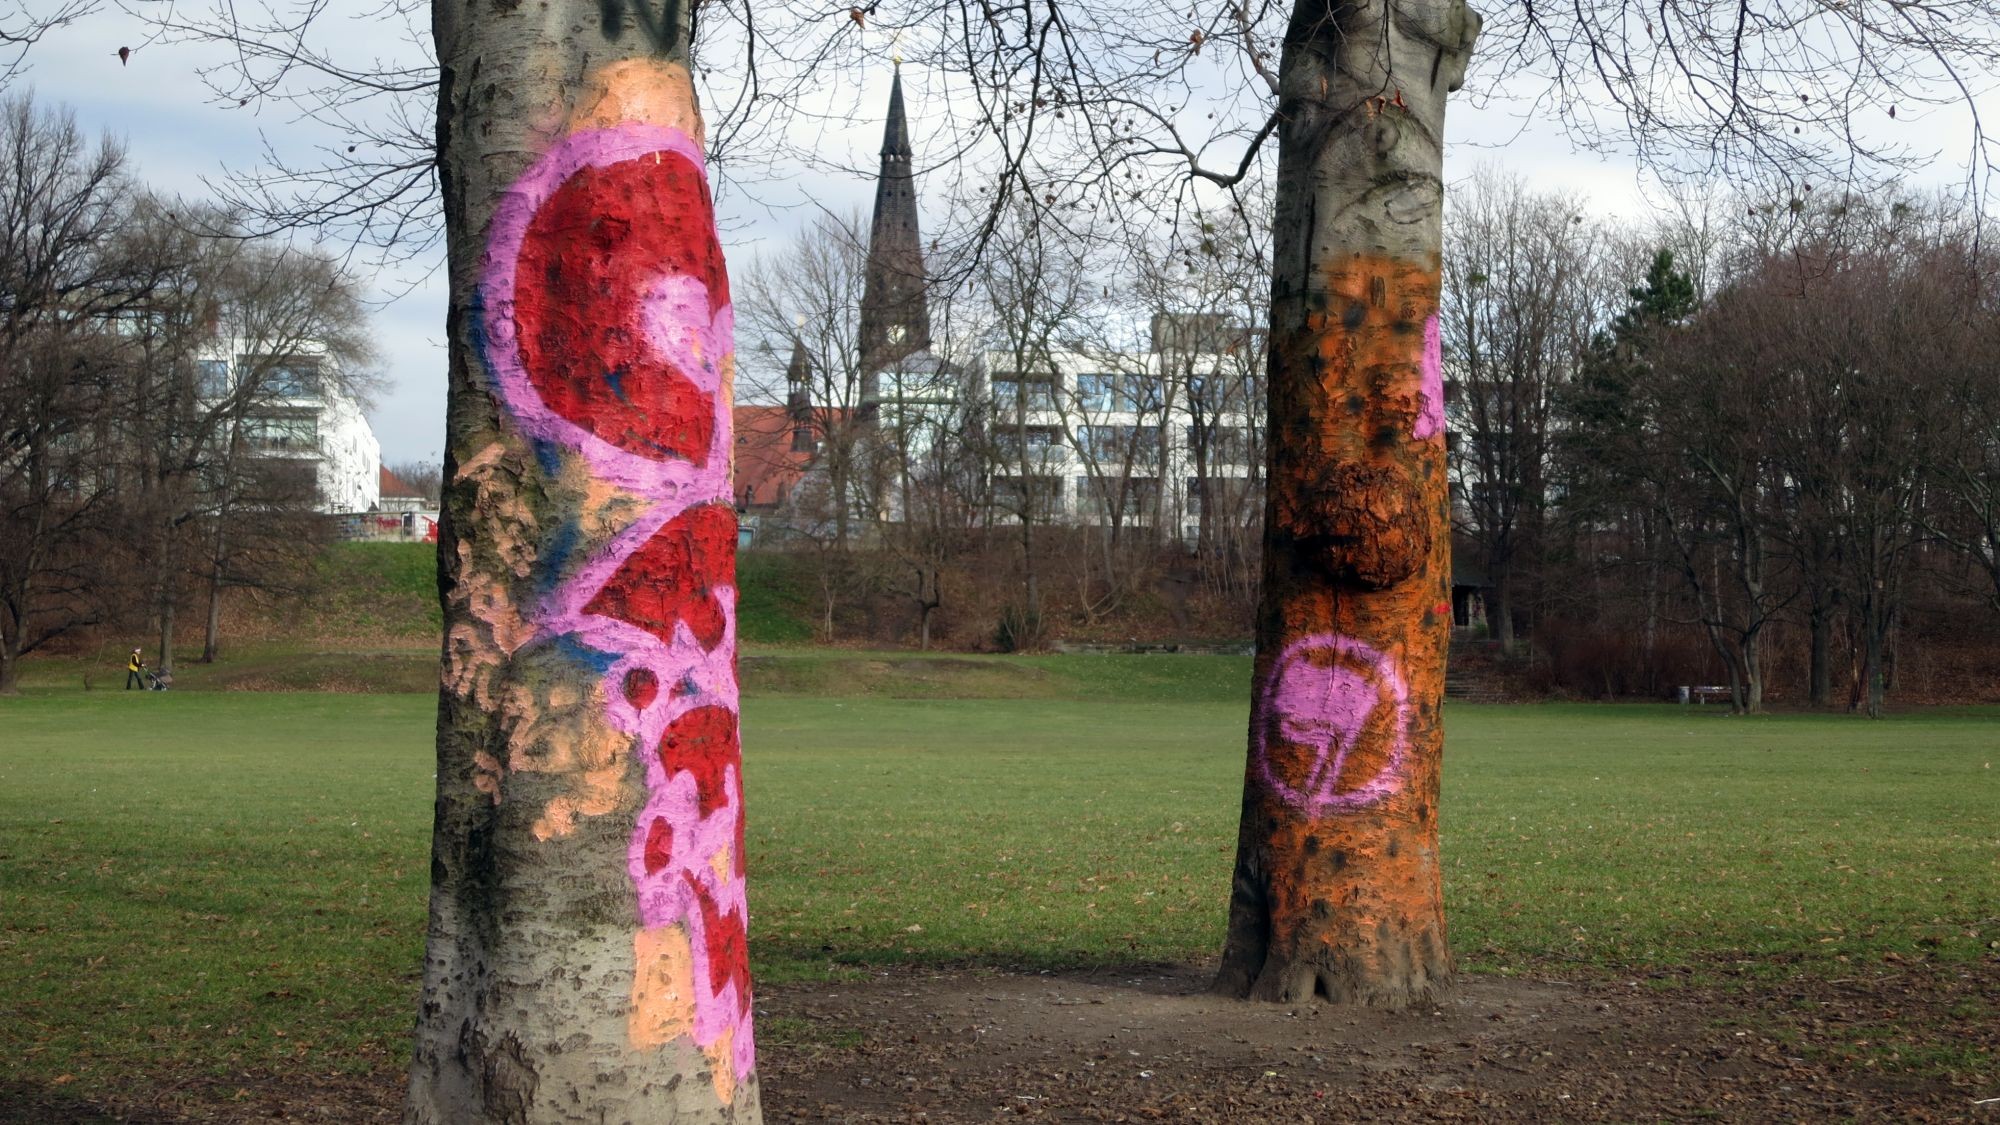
(703, 742)
(671, 580)
(641, 688)
(728, 950)
(659, 844)
(587, 261)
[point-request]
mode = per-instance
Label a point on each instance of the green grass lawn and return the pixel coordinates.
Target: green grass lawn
(411, 665)
(218, 882)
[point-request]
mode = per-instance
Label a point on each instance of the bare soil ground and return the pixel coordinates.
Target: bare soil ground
(1896, 1043)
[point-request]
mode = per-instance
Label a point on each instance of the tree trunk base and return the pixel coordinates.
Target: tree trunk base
(1406, 973)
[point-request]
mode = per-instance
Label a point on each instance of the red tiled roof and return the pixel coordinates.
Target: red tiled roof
(767, 467)
(393, 486)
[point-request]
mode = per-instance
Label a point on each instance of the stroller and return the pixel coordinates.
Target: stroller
(158, 681)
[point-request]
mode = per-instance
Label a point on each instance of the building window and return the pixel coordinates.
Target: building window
(1146, 445)
(293, 434)
(1096, 390)
(1117, 445)
(211, 377)
(1220, 445)
(1041, 493)
(294, 377)
(1139, 391)
(1036, 392)
(1037, 441)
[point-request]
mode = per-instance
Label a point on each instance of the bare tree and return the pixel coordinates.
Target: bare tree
(62, 386)
(1204, 292)
(928, 443)
(1106, 413)
(1522, 288)
(1667, 416)
(1888, 311)
(425, 477)
(1714, 481)
(1965, 468)
(237, 346)
(1037, 289)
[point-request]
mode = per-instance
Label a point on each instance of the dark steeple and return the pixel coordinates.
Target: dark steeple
(896, 134)
(895, 319)
(798, 399)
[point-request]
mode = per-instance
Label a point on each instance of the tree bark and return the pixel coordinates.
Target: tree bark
(586, 952)
(1819, 624)
(1503, 608)
(1753, 674)
(218, 554)
(211, 637)
(1337, 890)
(1750, 576)
(1876, 617)
(165, 663)
(166, 569)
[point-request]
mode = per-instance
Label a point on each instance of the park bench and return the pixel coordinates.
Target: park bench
(1706, 694)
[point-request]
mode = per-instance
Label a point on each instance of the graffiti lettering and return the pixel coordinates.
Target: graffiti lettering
(1430, 412)
(662, 28)
(1332, 725)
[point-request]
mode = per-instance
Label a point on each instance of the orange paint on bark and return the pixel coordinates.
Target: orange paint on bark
(654, 91)
(662, 987)
(1341, 811)
(722, 1069)
(1347, 484)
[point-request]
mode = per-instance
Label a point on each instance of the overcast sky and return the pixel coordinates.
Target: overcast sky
(176, 137)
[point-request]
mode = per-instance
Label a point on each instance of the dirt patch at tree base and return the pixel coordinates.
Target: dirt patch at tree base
(1148, 1044)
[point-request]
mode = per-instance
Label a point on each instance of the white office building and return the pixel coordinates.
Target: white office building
(303, 413)
(1143, 439)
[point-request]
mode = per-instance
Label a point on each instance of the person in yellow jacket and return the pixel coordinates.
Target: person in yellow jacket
(134, 666)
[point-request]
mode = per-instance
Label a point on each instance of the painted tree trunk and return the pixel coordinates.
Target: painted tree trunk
(1337, 885)
(586, 956)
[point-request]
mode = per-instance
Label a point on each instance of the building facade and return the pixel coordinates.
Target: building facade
(303, 413)
(1164, 438)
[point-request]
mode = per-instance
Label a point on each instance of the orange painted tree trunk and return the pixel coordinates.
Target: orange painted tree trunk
(586, 953)
(1337, 886)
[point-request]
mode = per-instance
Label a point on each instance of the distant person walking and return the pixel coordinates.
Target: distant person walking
(134, 666)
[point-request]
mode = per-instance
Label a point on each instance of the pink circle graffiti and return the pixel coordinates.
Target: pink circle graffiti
(1312, 701)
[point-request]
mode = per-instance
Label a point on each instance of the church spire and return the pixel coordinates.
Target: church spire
(895, 318)
(896, 134)
(798, 397)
